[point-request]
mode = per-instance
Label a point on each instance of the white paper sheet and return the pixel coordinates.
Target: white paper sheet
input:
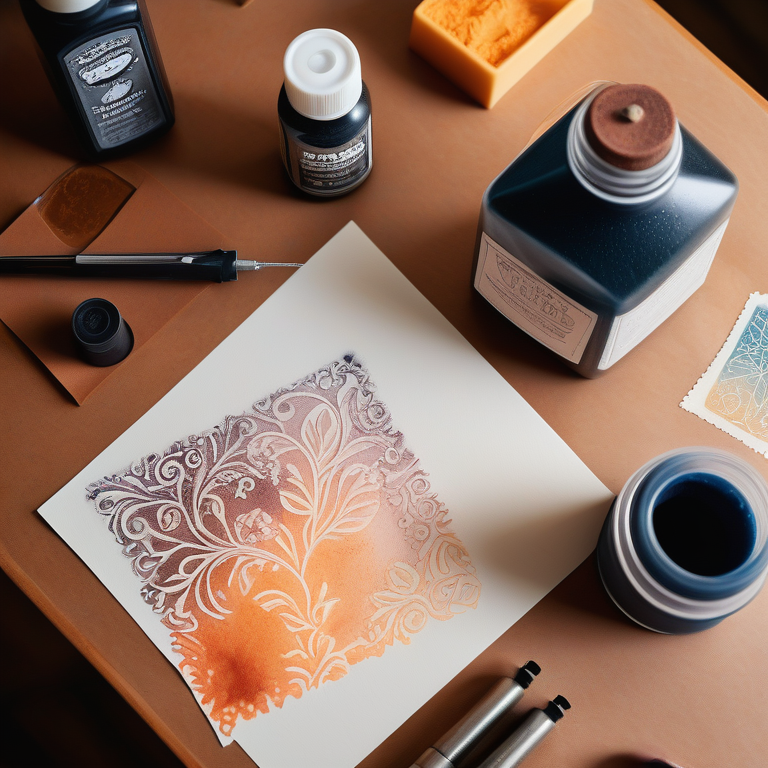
(524, 507)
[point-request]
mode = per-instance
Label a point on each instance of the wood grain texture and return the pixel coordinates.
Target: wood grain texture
(435, 153)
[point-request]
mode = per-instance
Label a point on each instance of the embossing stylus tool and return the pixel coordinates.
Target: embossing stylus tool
(463, 740)
(217, 266)
(528, 735)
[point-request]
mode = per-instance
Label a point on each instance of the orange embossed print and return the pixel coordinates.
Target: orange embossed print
(288, 543)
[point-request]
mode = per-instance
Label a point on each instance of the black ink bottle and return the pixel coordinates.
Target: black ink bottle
(603, 227)
(325, 115)
(102, 60)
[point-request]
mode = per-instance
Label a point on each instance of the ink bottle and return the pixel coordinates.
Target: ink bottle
(602, 227)
(685, 543)
(103, 63)
(325, 115)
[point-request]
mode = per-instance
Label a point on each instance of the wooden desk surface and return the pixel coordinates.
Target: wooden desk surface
(695, 700)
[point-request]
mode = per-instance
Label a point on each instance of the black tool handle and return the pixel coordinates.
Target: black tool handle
(217, 266)
(37, 265)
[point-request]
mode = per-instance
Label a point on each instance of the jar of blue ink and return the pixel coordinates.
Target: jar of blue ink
(686, 541)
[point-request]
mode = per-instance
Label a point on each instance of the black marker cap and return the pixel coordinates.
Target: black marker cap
(101, 334)
(556, 708)
(526, 673)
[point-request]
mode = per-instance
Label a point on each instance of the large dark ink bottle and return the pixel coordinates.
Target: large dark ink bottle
(102, 60)
(603, 227)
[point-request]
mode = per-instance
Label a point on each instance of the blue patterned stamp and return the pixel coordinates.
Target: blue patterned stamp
(733, 393)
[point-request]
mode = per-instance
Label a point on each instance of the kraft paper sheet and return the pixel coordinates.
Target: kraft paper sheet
(39, 309)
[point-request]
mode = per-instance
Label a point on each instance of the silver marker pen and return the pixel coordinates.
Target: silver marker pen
(461, 741)
(527, 735)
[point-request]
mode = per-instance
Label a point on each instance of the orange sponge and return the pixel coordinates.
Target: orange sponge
(486, 46)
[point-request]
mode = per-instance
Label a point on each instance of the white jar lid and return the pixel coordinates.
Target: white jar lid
(67, 6)
(323, 78)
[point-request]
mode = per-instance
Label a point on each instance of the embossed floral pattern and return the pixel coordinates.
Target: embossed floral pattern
(288, 543)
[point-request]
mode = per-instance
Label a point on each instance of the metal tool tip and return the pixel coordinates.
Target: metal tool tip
(248, 265)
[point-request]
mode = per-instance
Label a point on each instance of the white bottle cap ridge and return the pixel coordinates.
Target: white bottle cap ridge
(323, 78)
(67, 6)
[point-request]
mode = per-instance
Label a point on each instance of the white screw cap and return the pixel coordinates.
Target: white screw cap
(323, 78)
(67, 6)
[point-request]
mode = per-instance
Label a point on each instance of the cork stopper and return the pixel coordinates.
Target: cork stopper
(630, 126)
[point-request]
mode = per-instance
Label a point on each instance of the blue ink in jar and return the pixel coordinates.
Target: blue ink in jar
(686, 541)
(603, 227)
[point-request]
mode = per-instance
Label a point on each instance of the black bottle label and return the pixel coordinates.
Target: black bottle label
(111, 77)
(330, 171)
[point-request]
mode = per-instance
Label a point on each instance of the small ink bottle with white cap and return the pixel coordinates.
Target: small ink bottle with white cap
(325, 115)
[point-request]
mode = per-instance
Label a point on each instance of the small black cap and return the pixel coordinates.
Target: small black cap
(556, 708)
(101, 334)
(526, 673)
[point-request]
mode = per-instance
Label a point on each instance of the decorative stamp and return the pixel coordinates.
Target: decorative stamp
(733, 393)
(288, 543)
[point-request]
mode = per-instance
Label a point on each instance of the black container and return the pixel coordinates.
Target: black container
(325, 115)
(100, 332)
(587, 272)
(106, 70)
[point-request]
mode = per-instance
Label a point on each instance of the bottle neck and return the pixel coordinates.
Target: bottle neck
(617, 185)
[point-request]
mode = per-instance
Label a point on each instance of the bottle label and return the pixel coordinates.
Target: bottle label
(111, 77)
(532, 304)
(327, 171)
(629, 329)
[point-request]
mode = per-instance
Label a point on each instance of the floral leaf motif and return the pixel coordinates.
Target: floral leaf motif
(323, 607)
(281, 601)
(247, 569)
(296, 652)
(356, 502)
(321, 433)
(325, 610)
(361, 444)
(294, 623)
(404, 578)
(296, 503)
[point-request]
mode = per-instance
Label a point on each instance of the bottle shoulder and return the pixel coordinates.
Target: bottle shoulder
(539, 208)
(324, 133)
(57, 34)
